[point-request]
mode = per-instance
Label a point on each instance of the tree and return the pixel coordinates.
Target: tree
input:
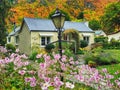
(94, 24)
(4, 6)
(111, 19)
(81, 15)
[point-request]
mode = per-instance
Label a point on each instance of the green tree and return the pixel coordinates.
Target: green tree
(111, 19)
(4, 6)
(94, 24)
(81, 15)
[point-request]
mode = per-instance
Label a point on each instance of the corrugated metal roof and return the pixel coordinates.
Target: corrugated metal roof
(98, 32)
(47, 25)
(13, 32)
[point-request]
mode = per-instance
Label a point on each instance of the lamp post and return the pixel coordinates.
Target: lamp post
(58, 20)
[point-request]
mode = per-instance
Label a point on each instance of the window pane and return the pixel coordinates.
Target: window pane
(17, 39)
(9, 39)
(42, 40)
(48, 40)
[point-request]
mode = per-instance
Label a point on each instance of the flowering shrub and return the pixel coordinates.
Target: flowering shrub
(16, 72)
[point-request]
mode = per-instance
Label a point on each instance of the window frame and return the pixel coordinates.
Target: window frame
(46, 40)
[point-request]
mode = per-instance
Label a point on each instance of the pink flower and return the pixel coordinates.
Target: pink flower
(22, 72)
(27, 79)
(42, 65)
(71, 62)
(76, 62)
(71, 58)
(109, 76)
(38, 55)
(64, 58)
(7, 60)
(26, 63)
(24, 56)
(57, 82)
(57, 56)
(104, 70)
(63, 67)
(1, 61)
(17, 50)
(46, 79)
(33, 84)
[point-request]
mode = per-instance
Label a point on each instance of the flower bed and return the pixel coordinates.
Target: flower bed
(17, 73)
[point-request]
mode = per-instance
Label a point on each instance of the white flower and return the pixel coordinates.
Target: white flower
(69, 85)
(45, 86)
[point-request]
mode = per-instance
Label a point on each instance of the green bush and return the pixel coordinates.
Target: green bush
(10, 47)
(49, 47)
(33, 55)
(101, 39)
(83, 43)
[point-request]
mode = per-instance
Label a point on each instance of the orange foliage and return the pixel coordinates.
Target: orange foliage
(72, 7)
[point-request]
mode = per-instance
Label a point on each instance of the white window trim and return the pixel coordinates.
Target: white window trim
(45, 40)
(46, 35)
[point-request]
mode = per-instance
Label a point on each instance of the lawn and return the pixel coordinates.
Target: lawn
(115, 53)
(111, 69)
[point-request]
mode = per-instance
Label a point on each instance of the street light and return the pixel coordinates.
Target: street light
(58, 20)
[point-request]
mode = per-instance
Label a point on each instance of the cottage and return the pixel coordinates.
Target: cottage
(100, 33)
(40, 32)
(12, 38)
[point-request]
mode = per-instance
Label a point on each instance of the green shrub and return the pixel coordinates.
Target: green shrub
(10, 47)
(101, 39)
(49, 47)
(83, 43)
(33, 55)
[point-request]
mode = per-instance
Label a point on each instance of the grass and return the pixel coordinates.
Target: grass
(115, 53)
(112, 69)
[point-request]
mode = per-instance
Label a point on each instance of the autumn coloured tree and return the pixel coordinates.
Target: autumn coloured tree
(76, 9)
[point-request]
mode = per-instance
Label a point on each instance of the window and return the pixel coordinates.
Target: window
(16, 39)
(45, 40)
(86, 38)
(9, 39)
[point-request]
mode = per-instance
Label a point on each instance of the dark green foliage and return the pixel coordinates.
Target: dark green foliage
(80, 52)
(67, 17)
(101, 39)
(83, 43)
(81, 15)
(111, 19)
(49, 47)
(10, 47)
(4, 6)
(94, 24)
(115, 44)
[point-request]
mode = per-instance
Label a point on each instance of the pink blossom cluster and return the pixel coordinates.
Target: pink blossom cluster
(3, 49)
(31, 80)
(52, 69)
(94, 78)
